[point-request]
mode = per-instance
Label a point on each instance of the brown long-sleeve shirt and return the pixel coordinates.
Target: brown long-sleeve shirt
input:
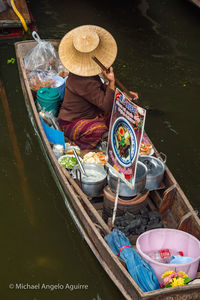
(85, 97)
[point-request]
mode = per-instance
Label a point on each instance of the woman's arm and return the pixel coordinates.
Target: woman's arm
(110, 77)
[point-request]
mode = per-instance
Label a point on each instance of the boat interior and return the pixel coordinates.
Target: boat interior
(168, 200)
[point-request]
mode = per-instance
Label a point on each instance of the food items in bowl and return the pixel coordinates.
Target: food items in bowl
(145, 149)
(93, 176)
(63, 73)
(95, 158)
(36, 83)
(68, 161)
(123, 141)
(93, 184)
(69, 149)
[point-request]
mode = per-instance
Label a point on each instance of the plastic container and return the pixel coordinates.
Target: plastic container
(69, 149)
(58, 150)
(163, 238)
(60, 85)
(48, 99)
(40, 79)
(164, 255)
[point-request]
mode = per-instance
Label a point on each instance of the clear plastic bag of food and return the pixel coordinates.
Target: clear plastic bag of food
(42, 57)
(40, 79)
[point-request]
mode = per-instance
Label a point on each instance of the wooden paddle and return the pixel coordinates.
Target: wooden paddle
(120, 85)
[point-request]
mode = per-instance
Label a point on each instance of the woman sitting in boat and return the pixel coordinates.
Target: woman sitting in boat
(85, 111)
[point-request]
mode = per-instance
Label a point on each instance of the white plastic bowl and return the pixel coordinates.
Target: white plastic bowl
(67, 155)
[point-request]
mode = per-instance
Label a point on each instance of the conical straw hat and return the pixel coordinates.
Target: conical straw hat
(79, 45)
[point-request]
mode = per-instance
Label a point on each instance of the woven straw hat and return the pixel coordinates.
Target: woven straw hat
(80, 44)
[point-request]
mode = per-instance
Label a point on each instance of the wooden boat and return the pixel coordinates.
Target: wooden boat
(196, 2)
(170, 202)
(11, 26)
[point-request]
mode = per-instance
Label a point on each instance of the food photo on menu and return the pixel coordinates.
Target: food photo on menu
(125, 136)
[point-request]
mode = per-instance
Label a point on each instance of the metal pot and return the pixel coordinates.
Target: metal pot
(90, 185)
(155, 170)
(124, 190)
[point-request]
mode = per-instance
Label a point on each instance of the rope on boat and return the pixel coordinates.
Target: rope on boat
(19, 15)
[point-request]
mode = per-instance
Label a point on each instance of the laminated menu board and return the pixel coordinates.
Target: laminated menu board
(125, 134)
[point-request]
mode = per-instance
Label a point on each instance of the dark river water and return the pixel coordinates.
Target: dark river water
(159, 57)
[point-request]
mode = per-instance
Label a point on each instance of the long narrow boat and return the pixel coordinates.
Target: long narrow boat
(170, 202)
(196, 2)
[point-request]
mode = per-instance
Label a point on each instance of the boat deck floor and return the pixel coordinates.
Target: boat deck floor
(9, 19)
(167, 216)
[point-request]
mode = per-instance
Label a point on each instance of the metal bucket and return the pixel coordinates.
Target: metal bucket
(90, 186)
(155, 170)
(124, 190)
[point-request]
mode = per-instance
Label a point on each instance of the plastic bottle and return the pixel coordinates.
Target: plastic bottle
(181, 259)
(164, 255)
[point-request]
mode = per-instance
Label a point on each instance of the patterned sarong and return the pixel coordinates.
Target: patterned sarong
(86, 133)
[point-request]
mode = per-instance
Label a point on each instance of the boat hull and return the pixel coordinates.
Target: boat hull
(93, 227)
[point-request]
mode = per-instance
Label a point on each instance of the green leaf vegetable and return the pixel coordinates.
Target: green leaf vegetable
(68, 162)
(11, 61)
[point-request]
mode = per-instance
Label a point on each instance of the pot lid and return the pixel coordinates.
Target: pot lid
(48, 93)
(154, 165)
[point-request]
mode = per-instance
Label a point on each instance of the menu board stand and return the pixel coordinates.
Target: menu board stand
(116, 202)
(125, 135)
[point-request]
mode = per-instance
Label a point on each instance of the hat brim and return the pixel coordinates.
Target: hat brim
(81, 63)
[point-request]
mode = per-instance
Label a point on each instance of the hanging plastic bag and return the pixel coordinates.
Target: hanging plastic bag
(42, 57)
(40, 79)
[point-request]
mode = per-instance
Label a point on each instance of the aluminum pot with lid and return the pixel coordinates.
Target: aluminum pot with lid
(93, 184)
(155, 170)
(124, 190)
